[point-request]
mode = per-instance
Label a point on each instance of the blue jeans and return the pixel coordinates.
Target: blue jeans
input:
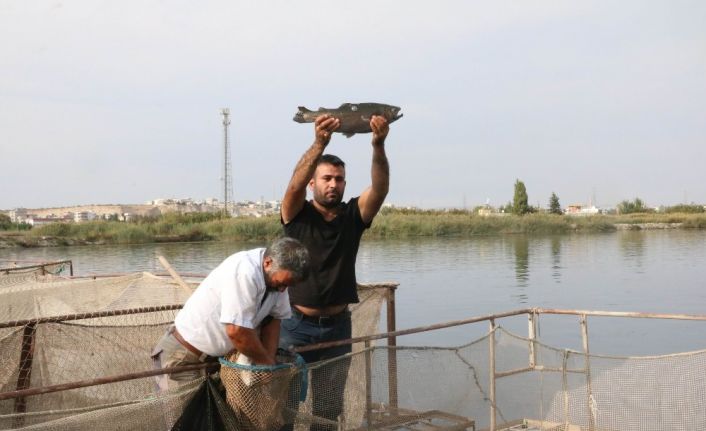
(328, 384)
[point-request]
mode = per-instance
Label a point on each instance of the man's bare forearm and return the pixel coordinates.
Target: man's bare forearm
(304, 169)
(295, 194)
(246, 341)
(372, 198)
(269, 335)
(380, 172)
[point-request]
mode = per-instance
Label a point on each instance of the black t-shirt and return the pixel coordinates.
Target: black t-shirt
(333, 247)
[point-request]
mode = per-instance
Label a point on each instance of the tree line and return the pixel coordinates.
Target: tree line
(520, 205)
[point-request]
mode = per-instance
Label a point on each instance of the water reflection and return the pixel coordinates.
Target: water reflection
(632, 246)
(556, 258)
(521, 249)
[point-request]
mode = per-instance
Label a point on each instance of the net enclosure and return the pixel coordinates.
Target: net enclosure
(55, 332)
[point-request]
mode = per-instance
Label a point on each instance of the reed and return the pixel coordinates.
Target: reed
(389, 224)
(245, 228)
(461, 224)
(101, 232)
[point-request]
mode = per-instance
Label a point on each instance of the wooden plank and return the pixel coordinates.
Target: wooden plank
(175, 275)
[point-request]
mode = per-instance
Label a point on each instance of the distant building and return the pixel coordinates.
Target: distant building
(579, 209)
(82, 216)
(17, 215)
(41, 221)
(485, 211)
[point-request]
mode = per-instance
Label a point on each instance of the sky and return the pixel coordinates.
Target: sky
(119, 102)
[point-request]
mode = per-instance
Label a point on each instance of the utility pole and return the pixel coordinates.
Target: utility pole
(227, 179)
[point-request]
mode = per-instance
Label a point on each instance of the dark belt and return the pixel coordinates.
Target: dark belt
(188, 346)
(322, 320)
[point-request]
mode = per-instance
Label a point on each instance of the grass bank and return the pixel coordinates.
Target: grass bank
(461, 224)
(168, 228)
(389, 224)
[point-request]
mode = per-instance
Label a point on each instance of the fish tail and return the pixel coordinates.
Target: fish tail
(301, 115)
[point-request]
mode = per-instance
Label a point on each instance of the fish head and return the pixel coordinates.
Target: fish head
(392, 113)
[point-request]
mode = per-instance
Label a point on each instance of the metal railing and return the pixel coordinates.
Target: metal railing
(30, 328)
(41, 266)
(533, 316)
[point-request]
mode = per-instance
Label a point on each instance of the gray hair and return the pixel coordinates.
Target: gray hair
(289, 254)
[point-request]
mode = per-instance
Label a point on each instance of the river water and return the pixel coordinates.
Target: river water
(661, 271)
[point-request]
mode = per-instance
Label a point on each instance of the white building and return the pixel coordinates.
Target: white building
(578, 209)
(18, 215)
(82, 216)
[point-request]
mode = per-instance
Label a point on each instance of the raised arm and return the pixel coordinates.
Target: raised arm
(295, 195)
(372, 198)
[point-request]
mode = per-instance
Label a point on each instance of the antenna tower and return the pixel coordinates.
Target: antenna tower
(227, 178)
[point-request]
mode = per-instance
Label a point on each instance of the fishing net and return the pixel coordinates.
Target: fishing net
(56, 331)
(415, 388)
(259, 393)
(503, 377)
(34, 296)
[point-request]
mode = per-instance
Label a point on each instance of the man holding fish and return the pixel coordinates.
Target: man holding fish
(331, 230)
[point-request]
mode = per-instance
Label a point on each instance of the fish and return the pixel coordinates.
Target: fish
(354, 117)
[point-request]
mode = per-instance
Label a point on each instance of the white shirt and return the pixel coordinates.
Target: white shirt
(231, 293)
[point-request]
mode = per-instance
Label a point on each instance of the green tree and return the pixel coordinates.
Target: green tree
(628, 207)
(5, 222)
(519, 202)
(554, 206)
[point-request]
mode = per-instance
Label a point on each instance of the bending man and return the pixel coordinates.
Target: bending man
(238, 306)
(331, 230)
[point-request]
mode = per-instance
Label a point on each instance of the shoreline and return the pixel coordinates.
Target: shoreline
(388, 225)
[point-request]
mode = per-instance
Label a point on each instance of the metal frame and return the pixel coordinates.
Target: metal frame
(30, 325)
(41, 266)
(533, 315)
(533, 321)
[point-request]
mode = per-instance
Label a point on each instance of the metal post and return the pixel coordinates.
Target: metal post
(532, 330)
(391, 351)
(209, 366)
(368, 386)
(565, 387)
(227, 180)
(491, 360)
(587, 364)
(24, 378)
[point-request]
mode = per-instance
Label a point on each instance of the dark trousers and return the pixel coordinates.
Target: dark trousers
(328, 383)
